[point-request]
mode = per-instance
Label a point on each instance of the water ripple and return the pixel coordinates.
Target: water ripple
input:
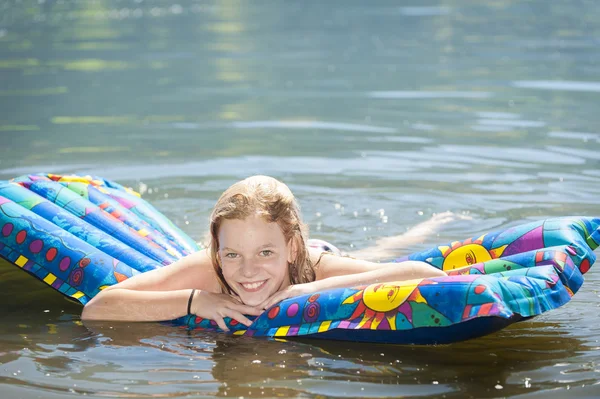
(561, 85)
(497, 115)
(585, 137)
(281, 124)
(424, 11)
(349, 127)
(576, 152)
(510, 123)
(414, 95)
(513, 154)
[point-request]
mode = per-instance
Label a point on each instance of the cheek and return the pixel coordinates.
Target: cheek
(228, 269)
(275, 267)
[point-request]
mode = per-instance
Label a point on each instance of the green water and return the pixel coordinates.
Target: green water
(377, 114)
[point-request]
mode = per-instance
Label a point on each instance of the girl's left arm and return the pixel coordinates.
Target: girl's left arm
(365, 272)
(339, 272)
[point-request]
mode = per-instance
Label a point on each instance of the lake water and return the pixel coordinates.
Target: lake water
(377, 114)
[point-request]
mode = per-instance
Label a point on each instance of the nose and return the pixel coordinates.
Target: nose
(249, 268)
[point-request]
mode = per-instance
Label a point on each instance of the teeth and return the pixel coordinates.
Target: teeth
(252, 286)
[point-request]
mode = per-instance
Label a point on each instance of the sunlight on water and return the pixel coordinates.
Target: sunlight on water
(376, 115)
(558, 85)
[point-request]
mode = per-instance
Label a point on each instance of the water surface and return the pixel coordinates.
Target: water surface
(377, 116)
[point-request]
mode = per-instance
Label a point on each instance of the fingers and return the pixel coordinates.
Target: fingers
(236, 312)
(266, 303)
(245, 309)
(240, 318)
(280, 296)
(272, 301)
(221, 323)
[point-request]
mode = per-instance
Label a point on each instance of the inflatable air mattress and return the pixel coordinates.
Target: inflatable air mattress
(81, 234)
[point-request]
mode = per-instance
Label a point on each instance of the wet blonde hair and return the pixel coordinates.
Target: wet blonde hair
(271, 199)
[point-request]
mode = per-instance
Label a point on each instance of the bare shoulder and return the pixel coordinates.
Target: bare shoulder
(192, 271)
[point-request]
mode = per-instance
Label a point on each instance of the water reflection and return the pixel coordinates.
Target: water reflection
(46, 347)
(257, 367)
(558, 85)
(487, 108)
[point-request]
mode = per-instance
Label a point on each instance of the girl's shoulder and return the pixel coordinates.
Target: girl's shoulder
(320, 246)
(329, 261)
(317, 249)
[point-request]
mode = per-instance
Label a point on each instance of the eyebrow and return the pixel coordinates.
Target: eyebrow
(268, 245)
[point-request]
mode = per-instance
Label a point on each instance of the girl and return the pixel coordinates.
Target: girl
(258, 256)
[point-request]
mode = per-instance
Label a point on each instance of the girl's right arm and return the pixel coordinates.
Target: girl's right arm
(163, 294)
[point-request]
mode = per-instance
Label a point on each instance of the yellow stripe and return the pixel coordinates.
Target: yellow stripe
(132, 191)
(375, 323)
(496, 253)
(74, 179)
(392, 322)
(282, 331)
(143, 232)
(50, 278)
(21, 261)
(239, 332)
(170, 251)
(325, 326)
(78, 295)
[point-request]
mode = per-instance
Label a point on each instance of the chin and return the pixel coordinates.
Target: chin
(255, 298)
(252, 301)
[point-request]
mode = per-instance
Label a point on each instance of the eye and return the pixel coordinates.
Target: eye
(470, 258)
(266, 252)
(231, 255)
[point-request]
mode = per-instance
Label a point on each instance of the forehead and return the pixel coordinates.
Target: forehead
(251, 232)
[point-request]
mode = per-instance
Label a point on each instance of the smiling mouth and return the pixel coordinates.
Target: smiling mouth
(253, 287)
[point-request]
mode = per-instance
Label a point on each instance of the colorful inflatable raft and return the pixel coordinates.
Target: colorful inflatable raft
(82, 234)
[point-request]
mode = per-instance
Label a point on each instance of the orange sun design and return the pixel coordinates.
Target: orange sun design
(467, 253)
(378, 303)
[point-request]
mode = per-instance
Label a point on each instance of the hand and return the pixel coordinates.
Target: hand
(213, 306)
(288, 292)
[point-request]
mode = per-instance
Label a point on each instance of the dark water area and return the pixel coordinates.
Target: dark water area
(376, 114)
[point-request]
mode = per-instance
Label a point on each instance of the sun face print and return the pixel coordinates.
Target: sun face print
(387, 296)
(378, 303)
(467, 253)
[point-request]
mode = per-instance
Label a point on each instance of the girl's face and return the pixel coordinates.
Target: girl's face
(254, 258)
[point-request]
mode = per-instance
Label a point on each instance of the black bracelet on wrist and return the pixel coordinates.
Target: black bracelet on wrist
(189, 308)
